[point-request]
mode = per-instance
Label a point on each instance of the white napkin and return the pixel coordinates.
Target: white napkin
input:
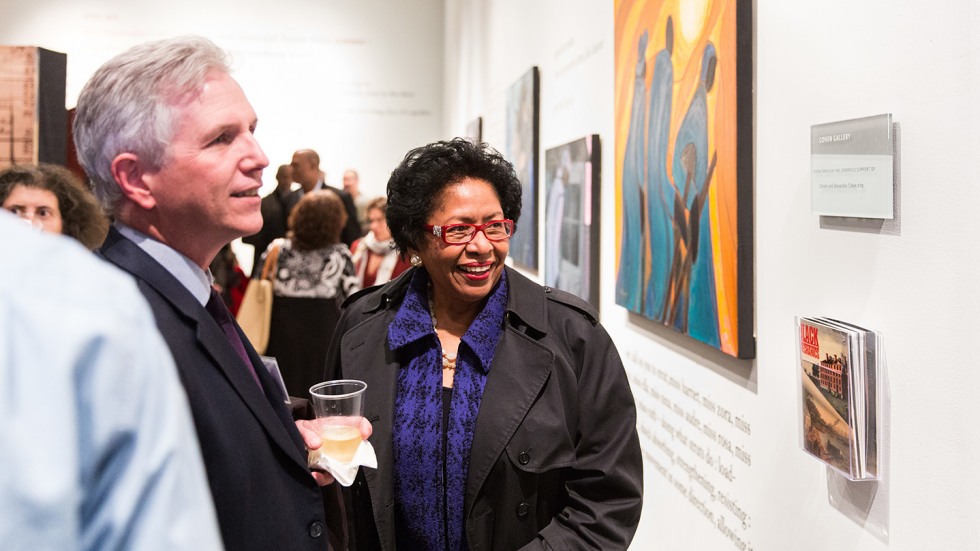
(346, 472)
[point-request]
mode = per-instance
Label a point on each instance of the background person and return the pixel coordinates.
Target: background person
(376, 259)
(307, 173)
(98, 447)
(504, 415)
(167, 137)
(352, 185)
(312, 276)
(275, 214)
(55, 200)
(228, 279)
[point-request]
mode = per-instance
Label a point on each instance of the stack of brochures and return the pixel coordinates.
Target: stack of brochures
(839, 400)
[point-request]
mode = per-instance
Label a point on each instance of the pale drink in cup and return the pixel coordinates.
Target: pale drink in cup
(340, 441)
(339, 407)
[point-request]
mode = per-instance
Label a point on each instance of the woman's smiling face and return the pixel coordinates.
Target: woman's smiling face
(465, 273)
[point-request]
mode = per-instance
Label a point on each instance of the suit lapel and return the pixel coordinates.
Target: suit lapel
(131, 258)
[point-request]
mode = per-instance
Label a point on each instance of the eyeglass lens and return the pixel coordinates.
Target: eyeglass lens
(464, 233)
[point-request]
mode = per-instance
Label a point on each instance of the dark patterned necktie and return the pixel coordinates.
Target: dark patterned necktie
(216, 307)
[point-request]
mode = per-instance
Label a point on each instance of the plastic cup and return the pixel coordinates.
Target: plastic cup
(339, 407)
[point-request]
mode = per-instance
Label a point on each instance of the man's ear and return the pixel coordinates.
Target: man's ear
(129, 173)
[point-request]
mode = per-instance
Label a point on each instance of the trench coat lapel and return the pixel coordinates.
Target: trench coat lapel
(365, 359)
(520, 368)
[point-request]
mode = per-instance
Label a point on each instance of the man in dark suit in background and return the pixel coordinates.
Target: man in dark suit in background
(275, 214)
(306, 172)
(166, 136)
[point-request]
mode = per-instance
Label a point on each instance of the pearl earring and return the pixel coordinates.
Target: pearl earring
(415, 260)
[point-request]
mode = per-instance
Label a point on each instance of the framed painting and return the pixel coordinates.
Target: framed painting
(684, 175)
(474, 130)
(571, 221)
(522, 151)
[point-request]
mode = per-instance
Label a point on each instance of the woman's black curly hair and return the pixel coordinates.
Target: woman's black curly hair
(418, 182)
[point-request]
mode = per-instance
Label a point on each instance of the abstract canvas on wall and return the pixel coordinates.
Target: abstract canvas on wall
(571, 221)
(683, 119)
(522, 151)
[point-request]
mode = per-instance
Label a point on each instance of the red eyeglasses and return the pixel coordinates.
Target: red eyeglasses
(461, 234)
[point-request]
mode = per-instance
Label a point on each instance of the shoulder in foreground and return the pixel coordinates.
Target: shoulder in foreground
(574, 302)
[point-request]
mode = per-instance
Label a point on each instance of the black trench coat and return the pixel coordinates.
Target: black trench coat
(555, 461)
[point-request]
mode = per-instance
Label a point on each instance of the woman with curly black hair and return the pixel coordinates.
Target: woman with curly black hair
(502, 415)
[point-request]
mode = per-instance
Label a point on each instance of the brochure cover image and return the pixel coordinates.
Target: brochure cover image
(827, 413)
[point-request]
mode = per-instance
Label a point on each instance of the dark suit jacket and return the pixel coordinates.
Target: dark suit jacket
(555, 461)
(254, 456)
(275, 213)
(352, 230)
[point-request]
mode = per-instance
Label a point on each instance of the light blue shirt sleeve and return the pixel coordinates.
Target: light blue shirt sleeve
(98, 447)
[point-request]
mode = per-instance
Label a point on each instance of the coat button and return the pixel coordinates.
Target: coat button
(523, 458)
(522, 510)
(316, 529)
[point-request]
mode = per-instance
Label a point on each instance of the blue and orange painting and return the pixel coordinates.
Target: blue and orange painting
(683, 200)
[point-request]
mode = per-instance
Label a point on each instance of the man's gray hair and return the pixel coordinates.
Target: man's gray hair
(127, 105)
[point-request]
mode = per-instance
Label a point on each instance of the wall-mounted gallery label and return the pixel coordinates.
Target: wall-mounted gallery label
(851, 170)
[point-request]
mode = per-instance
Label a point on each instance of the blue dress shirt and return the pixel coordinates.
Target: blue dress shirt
(98, 447)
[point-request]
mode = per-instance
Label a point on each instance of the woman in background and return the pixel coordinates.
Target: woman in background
(376, 259)
(54, 200)
(502, 414)
(312, 275)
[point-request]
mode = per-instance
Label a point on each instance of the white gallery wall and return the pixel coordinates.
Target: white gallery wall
(351, 80)
(723, 465)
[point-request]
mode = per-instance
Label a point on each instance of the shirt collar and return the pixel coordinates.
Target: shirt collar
(413, 320)
(189, 274)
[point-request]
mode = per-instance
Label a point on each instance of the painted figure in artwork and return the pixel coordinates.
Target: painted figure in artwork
(629, 281)
(660, 191)
(692, 306)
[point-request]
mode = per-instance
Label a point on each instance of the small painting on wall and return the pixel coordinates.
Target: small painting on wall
(571, 221)
(522, 151)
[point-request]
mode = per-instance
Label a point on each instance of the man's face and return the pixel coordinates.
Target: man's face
(305, 173)
(207, 193)
(284, 176)
(350, 182)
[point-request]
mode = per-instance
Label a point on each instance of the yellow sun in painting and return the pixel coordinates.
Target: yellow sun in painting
(692, 14)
